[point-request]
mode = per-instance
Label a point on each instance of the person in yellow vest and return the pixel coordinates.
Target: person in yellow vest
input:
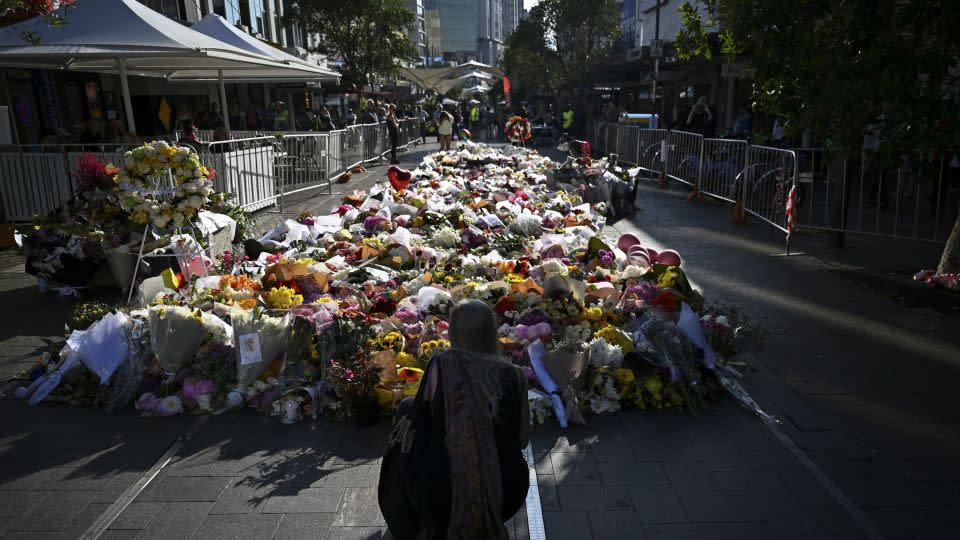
(567, 118)
(474, 117)
(281, 121)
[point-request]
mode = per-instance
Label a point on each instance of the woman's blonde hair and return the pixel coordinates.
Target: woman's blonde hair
(473, 331)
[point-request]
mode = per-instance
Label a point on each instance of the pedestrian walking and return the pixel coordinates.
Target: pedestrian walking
(469, 422)
(436, 120)
(351, 118)
(393, 132)
(457, 120)
(445, 129)
(423, 117)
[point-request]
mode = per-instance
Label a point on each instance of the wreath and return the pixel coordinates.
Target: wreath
(163, 184)
(518, 129)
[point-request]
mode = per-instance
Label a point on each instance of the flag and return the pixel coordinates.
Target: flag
(164, 113)
(506, 91)
(791, 210)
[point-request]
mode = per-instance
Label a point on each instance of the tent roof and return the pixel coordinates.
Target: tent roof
(218, 28)
(443, 79)
(98, 32)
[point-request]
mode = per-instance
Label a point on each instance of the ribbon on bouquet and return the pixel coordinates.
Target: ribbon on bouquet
(537, 351)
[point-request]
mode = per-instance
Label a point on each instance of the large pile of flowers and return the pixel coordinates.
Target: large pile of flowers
(158, 184)
(342, 311)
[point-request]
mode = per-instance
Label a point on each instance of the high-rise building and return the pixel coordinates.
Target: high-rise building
(434, 36)
(418, 32)
(469, 29)
(511, 16)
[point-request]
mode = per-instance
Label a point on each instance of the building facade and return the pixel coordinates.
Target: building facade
(511, 16)
(468, 29)
(418, 32)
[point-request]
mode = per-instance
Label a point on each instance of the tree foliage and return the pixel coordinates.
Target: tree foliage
(833, 67)
(531, 65)
(368, 36)
(562, 41)
(15, 11)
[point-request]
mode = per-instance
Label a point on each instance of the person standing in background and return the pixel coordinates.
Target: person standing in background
(393, 132)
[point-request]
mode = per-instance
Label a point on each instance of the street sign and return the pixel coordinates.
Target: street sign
(656, 48)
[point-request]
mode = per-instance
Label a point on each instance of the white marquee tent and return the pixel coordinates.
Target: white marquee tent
(126, 37)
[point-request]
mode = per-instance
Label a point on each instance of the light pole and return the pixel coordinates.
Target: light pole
(656, 50)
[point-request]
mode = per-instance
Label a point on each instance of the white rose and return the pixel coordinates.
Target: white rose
(632, 271)
(554, 266)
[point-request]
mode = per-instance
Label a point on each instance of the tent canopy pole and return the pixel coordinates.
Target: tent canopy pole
(125, 89)
(223, 103)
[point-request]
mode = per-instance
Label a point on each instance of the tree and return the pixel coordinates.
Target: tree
(15, 11)
(569, 36)
(834, 67)
(531, 65)
(368, 36)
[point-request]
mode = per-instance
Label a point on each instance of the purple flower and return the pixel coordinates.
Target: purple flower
(147, 402)
(169, 406)
(522, 331)
(407, 315)
(533, 318)
(643, 290)
(606, 257)
(543, 329)
(195, 389)
(371, 223)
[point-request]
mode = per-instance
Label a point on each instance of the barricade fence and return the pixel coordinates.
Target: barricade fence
(258, 167)
(245, 167)
(909, 195)
(304, 164)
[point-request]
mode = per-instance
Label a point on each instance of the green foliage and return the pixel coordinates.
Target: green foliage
(14, 11)
(561, 42)
(833, 67)
(531, 65)
(368, 36)
(87, 313)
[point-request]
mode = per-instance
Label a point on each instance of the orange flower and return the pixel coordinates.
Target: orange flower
(409, 374)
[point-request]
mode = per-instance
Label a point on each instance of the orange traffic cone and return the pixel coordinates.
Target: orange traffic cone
(695, 195)
(663, 180)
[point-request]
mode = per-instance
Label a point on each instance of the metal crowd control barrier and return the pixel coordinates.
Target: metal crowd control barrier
(35, 179)
(911, 195)
(628, 143)
(246, 168)
(723, 159)
(303, 164)
(684, 156)
(766, 182)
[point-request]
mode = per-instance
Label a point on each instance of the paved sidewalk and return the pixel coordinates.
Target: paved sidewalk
(861, 379)
(859, 370)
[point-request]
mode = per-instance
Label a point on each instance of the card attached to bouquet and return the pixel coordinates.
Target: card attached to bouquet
(249, 349)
